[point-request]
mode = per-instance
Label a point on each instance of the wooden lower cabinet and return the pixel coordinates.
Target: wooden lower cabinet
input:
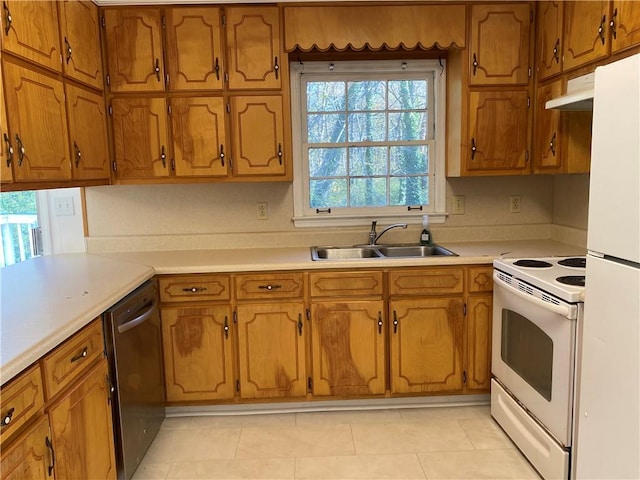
(348, 347)
(479, 314)
(30, 455)
(198, 353)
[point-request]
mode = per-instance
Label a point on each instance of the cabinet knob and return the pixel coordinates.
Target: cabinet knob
(21, 150)
(8, 18)
(601, 28)
(157, 69)
(556, 51)
(552, 144)
(7, 142)
(276, 67)
(67, 47)
(473, 148)
(6, 420)
(612, 24)
(78, 153)
(475, 63)
(222, 154)
(81, 355)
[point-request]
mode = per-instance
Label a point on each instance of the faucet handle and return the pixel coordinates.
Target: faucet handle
(373, 225)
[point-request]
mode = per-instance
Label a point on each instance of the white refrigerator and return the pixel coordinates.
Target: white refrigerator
(607, 413)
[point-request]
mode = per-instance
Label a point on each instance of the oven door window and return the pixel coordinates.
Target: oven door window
(528, 351)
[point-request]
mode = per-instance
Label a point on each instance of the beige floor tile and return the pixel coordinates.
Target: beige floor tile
(365, 467)
(298, 441)
(242, 421)
(485, 434)
(151, 471)
(477, 465)
(444, 413)
(179, 445)
(177, 423)
(406, 437)
(254, 469)
(348, 416)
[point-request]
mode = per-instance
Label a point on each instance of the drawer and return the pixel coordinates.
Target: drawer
(194, 288)
(21, 398)
(345, 284)
(431, 281)
(269, 285)
(68, 361)
(480, 279)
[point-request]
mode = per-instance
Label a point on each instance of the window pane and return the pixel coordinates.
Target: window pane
(367, 127)
(366, 161)
(327, 162)
(328, 193)
(409, 191)
(368, 95)
(368, 191)
(326, 128)
(325, 96)
(407, 94)
(407, 126)
(18, 215)
(409, 160)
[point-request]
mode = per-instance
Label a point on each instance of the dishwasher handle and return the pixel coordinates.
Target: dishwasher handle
(139, 319)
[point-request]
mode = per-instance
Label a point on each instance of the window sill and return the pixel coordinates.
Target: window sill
(349, 220)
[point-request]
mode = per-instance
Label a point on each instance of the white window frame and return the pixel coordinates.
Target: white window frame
(303, 215)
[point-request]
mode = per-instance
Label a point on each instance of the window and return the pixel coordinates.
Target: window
(368, 141)
(18, 227)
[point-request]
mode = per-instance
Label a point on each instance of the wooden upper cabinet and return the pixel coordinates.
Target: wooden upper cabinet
(87, 133)
(30, 30)
(80, 33)
(258, 135)
(499, 44)
(134, 49)
(547, 137)
(194, 49)
(6, 150)
(140, 137)
(624, 25)
(498, 132)
(585, 32)
(38, 124)
(253, 47)
(549, 39)
(199, 136)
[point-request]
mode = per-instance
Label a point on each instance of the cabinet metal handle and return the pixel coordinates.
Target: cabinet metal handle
(7, 17)
(395, 322)
(67, 47)
(226, 327)
(552, 144)
(80, 356)
(222, 154)
(78, 153)
(269, 287)
(380, 323)
(21, 150)
(49, 445)
(556, 51)
(217, 69)
(7, 142)
(194, 289)
(612, 24)
(280, 153)
(163, 157)
(157, 69)
(300, 324)
(6, 419)
(473, 148)
(276, 67)
(475, 63)
(601, 28)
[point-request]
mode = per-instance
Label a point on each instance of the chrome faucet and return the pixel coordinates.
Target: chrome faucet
(374, 237)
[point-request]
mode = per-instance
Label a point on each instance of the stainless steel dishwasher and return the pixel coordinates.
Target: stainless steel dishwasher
(133, 337)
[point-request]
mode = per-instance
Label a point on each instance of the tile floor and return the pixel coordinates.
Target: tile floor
(418, 443)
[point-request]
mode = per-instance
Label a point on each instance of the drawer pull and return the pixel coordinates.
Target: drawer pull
(6, 420)
(380, 323)
(226, 327)
(194, 289)
(80, 356)
(49, 445)
(269, 287)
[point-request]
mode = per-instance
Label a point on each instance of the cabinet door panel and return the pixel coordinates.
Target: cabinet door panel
(81, 42)
(258, 135)
(549, 43)
(271, 350)
(479, 312)
(626, 25)
(134, 49)
(28, 457)
(498, 132)
(546, 148)
(348, 345)
(499, 44)
(426, 345)
(22, 398)
(198, 353)
(87, 133)
(199, 136)
(38, 119)
(140, 137)
(585, 32)
(194, 50)
(6, 151)
(32, 32)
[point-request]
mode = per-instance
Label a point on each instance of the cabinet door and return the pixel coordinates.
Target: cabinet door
(82, 430)
(140, 137)
(194, 49)
(80, 32)
(253, 47)
(271, 348)
(87, 133)
(585, 32)
(498, 132)
(134, 49)
(625, 25)
(6, 151)
(38, 126)
(258, 135)
(348, 348)
(546, 147)
(198, 353)
(426, 345)
(499, 44)
(199, 136)
(479, 313)
(30, 30)
(549, 42)
(29, 456)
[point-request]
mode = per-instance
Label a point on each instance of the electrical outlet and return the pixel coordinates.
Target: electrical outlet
(263, 211)
(458, 205)
(514, 204)
(63, 206)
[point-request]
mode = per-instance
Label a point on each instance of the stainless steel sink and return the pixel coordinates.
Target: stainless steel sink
(378, 251)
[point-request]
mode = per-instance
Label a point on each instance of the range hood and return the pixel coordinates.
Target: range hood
(579, 96)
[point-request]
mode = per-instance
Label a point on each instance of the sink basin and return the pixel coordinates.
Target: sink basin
(378, 251)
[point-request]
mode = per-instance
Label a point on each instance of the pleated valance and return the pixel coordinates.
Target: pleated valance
(374, 27)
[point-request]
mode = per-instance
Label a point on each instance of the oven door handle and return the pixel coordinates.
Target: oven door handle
(567, 311)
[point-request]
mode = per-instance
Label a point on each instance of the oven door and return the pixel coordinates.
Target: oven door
(533, 343)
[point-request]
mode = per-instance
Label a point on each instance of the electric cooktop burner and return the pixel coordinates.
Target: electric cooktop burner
(575, 280)
(532, 263)
(577, 262)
